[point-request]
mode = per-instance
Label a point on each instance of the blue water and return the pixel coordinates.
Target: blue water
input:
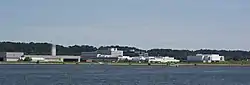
(121, 75)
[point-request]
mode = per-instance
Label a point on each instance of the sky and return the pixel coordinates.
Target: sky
(146, 24)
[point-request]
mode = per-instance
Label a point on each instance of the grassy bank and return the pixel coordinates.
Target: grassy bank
(227, 63)
(23, 62)
(136, 64)
(84, 63)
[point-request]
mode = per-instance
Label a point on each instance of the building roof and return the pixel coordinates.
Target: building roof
(49, 56)
(41, 56)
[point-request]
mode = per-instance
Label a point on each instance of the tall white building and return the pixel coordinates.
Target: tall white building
(53, 50)
(206, 58)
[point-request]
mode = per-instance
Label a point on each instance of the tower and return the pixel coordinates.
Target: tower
(53, 50)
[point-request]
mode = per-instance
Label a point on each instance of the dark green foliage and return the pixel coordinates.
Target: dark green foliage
(127, 51)
(37, 62)
(27, 59)
(182, 54)
(43, 48)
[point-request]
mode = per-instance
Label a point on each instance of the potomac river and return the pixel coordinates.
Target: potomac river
(122, 75)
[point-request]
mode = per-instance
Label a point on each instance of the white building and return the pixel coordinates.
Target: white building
(206, 58)
(11, 56)
(138, 58)
(15, 56)
(49, 58)
(125, 58)
(109, 53)
(169, 59)
(44, 58)
(162, 59)
(53, 57)
(53, 50)
(69, 58)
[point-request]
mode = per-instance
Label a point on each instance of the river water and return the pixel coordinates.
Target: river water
(121, 75)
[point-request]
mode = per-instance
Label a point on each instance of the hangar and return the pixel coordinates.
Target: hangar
(11, 56)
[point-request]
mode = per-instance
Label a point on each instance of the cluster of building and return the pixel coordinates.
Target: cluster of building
(115, 55)
(206, 58)
(112, 55)
(17, 56)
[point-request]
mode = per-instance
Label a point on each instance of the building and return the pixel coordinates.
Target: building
(66, 58)
(53, 57)
(16, 56)
(169, 59)
(205, 58)
(11, 56)
(44, 58)
(49, 58)
(88, 55)
(144, 54)
(141, 58)
(111, 53)
(105, 59)
(162, 59)
(152, 59)
(53, 50)
(125, 58)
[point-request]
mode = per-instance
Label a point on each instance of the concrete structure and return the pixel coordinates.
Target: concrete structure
(70, 58)
(11, 56)
(125, 58)
(15, 56)
(152, 59)
(53, 57)
(206, 58)
(44, 58)
(169, 59)
(141, 58)
(111, 53)
(49, 58)
(162, 59)
(53, 50)
(88, 55)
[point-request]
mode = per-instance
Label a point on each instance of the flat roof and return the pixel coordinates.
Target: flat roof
(50, 56)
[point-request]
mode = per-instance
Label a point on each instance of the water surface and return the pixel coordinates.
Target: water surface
(121, 75)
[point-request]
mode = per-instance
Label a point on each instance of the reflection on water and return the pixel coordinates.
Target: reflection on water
(121, 75)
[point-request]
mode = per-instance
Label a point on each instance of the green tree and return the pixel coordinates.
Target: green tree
(27, 59)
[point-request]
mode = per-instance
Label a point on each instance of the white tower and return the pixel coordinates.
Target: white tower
(53, 50)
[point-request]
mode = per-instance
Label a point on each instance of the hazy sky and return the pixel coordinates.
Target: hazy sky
(179, 24)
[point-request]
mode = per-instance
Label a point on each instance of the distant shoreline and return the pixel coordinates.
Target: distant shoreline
(118, 64)
(215, 65)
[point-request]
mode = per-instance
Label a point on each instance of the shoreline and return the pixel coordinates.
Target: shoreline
(120, 64)
(215, 65)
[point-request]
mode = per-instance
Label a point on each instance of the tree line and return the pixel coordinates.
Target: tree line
(45, 49)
